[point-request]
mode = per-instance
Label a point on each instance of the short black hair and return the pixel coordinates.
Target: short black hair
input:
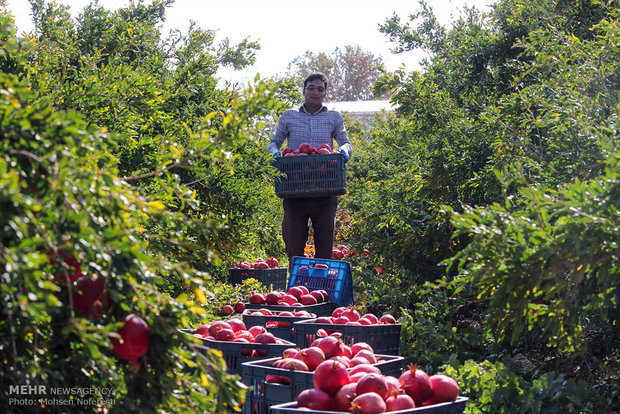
(314, 76)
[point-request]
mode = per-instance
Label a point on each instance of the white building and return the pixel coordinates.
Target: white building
(363, 111)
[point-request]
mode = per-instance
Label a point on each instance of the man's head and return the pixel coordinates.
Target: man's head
(315, 87)
(314, 76)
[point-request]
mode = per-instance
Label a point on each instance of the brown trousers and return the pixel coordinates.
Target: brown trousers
(322, 212)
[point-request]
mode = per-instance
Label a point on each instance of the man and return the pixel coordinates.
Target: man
(315, 124)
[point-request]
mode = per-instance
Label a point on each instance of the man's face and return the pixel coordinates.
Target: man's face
(315, 92)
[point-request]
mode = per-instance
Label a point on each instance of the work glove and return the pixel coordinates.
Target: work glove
(276, 154)
(343, 152)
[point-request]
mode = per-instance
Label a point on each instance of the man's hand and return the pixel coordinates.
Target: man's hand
(343, 152)
(276, 154)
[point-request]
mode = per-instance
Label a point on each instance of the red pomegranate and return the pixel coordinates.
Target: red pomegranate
(330, 376)
(358, 346)
(351, 314)
(89, 295)
(330, 345)
(311, 356)
(416, 384)
(265, 338)
(372, 383)
(399, 401)
(134, 339)
(314, 399)
(70, 267)
(257, 299)
(444, 389)
(343, 398)
(294, 364)
(368, 403)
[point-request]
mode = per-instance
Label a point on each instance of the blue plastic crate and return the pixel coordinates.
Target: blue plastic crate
(336, 280)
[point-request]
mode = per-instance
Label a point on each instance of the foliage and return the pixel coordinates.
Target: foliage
(525, 251)
(500, 153)
(140, 193)
(501, 387)
(351, 72)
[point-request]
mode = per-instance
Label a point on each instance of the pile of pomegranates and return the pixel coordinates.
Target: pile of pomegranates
(259, 263)
(307, 149)
(234, 330)
(367, 391)
(349, 315)
(279, 319)
(294, 296)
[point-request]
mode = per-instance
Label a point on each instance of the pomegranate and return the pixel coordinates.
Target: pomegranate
(290, 352)
(368, 403)
(372, 383)
(69, 266)
(387, 319)
(216, 326)
(227, 309)
(355, 361)
(288, 299)
(89, 291)
(317, 295)
(330, 376)
(272, 298)
(293, 364)
(225, 335)
(345, 351)
(338, 311)
(307, 300)
(330, 345)
(257, 299)
(366, 368)
(257, 330)
(364, 321)
(314, 399)
(311, 356)
(369, 355)
(304, 289)
(245, 335)
(393, 384)
(134, 339)
(203, 330)
(351, 314)
(399, 401)
(444, 389)
(416, 384)
(265, 338)
(237, 325)
(239, 307)
(341, 320)
(295, 291)
(323, 319)
(371, 317)
(344, 396)
(358, 346)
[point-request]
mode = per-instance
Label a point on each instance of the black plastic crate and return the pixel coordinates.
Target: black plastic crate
(261, 394)
(383, 338)
(454, 407)
(336, 280)
(236, 353)
(276, 277)
(320, 309)
(284, 331)
(310, 176)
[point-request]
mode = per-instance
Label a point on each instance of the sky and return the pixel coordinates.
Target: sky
(286, 29)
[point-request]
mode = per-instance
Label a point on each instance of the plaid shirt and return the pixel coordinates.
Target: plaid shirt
(298, 126)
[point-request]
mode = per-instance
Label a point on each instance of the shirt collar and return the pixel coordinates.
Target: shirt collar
(302, 108)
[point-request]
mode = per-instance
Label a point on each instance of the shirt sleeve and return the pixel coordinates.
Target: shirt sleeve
(280, 134)
(341, 137)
